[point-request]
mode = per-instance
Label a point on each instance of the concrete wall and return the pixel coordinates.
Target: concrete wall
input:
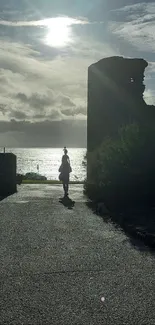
(7, 174)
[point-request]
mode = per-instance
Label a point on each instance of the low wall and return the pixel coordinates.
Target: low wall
(7, 174)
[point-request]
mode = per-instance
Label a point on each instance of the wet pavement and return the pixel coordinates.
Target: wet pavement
(61, 264)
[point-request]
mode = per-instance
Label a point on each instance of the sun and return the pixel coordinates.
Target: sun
(59, 31)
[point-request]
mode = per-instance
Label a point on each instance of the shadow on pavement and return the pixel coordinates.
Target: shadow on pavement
(137, 224)
(67, 202)
(4, 197)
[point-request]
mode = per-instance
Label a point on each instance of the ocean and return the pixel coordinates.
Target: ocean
(49, 161)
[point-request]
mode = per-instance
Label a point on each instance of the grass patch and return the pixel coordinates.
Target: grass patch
(51, 182)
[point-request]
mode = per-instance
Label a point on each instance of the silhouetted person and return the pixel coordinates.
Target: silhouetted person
(65, 170)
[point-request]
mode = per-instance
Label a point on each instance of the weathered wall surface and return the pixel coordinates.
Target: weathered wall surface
(115, 97)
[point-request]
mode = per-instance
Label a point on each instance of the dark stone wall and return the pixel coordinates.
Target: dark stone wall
(7, 174)
(115, 97)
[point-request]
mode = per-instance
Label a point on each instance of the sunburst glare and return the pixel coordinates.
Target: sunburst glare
(59, 31)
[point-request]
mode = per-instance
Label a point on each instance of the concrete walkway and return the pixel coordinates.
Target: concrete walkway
(56, 264)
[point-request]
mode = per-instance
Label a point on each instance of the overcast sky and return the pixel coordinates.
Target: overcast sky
(46, 47)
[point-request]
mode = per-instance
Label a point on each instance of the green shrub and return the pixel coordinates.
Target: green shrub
(122, 170)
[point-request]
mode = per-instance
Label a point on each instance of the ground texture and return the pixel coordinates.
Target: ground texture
(63, 266)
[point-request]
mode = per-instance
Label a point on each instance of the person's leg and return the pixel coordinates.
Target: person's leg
(67, 183)
(66, 190)
(64, 187)
(67, 187)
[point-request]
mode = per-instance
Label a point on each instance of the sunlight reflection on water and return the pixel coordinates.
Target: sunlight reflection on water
(49, 161)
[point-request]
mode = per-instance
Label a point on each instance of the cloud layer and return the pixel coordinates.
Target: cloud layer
(134, 28)
(136, 25)
(43, 89)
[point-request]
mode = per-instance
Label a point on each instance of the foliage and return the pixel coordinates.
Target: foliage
(122, 170)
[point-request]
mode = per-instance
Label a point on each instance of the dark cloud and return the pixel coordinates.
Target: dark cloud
(36, 100)
(17, 115)
(75, 111)
(53, 115)
(110, 4)
(66, 101)
(2, 109)
(46, 134)
(101, 10)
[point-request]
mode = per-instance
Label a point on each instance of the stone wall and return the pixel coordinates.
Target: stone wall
(115, 97)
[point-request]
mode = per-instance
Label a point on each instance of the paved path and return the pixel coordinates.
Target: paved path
(56, 264)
